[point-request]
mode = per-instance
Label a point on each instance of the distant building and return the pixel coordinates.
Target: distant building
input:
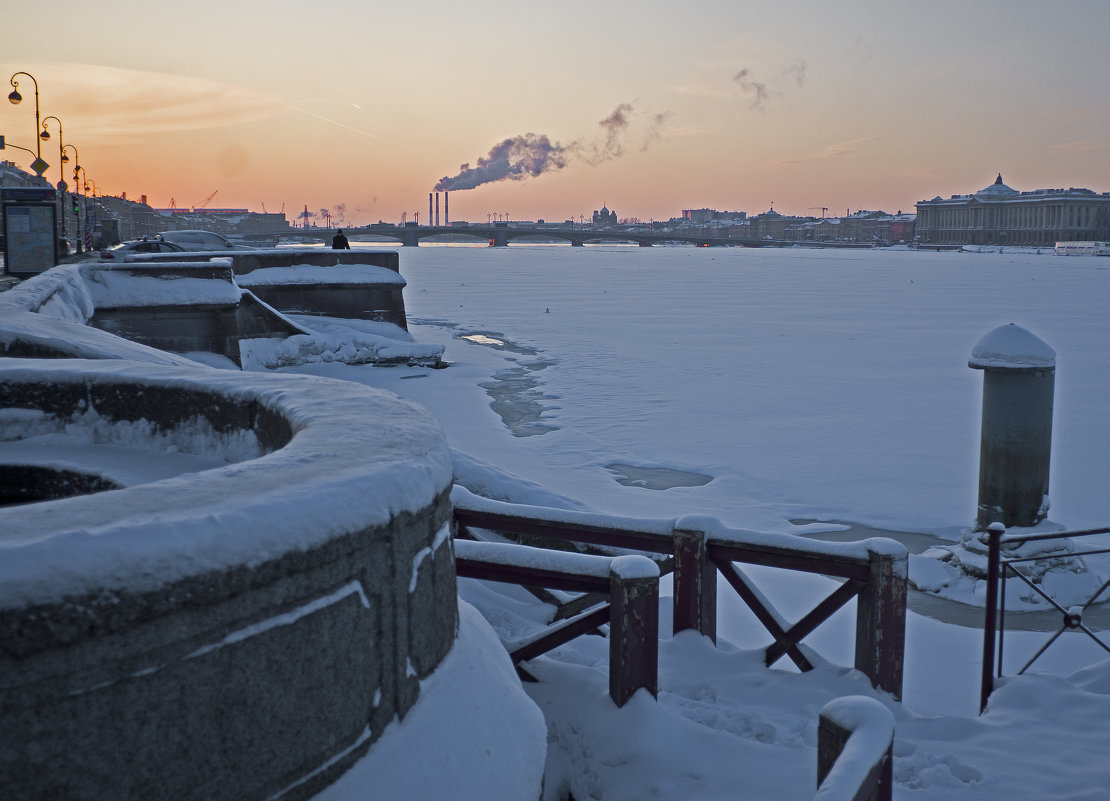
(999, 215)
(770, 225)
(706, 216)
(698, 216)
(902, 227)
(605, 217)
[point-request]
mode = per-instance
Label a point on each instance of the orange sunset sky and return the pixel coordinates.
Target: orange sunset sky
(361, 108)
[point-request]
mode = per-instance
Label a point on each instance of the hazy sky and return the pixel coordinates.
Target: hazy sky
(650, 107)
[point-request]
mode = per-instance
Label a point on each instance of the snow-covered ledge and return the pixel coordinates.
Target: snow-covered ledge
(247, 631)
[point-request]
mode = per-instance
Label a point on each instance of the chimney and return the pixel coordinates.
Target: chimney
(437, 209)
(430, 217)
(446, 216)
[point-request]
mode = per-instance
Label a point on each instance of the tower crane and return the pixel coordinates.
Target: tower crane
(823, 210)
(207, 200)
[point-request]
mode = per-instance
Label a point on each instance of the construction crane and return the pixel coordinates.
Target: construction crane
(823, 210)
(207, 200)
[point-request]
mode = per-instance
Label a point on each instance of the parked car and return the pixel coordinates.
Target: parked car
(122, 251)
(201, 240)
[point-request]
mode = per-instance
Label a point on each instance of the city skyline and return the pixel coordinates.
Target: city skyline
(547, 113)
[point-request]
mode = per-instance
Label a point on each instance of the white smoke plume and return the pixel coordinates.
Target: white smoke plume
(530, 155)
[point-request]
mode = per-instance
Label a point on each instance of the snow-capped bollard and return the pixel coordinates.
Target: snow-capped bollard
(1019, 377)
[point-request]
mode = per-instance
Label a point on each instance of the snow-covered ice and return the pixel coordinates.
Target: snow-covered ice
(819, 391)
(811, 386)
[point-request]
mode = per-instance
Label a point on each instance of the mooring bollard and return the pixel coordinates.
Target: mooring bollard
(1019, 376)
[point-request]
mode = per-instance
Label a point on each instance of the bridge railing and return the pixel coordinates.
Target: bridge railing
(696, 549)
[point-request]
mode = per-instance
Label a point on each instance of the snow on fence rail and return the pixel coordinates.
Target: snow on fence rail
(697, 548)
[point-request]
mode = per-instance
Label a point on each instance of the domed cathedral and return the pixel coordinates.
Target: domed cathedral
(1001, 215)
(605, 217)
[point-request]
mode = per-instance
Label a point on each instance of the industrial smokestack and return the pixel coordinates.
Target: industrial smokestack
(430, 217)
(437, 209)
(446, 215)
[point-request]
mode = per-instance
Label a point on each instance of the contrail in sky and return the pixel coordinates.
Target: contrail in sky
(333, 122)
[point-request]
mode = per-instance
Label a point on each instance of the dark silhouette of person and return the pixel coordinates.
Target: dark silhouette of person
(339, 242)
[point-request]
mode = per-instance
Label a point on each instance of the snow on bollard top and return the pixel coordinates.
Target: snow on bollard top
(1011, 347)
(634, 567)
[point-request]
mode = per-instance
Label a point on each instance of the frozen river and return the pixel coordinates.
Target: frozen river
(766, 385)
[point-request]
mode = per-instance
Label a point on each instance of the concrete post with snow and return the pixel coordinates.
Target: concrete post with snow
(1019, 376)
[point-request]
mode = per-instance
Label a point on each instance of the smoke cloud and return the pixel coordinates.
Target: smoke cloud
(516, 158)
(798, 72)
(755, 89)
(531, 155)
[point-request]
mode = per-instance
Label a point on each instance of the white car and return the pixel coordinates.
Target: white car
(126, 249)
(201, 240)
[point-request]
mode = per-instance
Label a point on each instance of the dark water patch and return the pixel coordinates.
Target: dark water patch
(656, 478)
(515, 396)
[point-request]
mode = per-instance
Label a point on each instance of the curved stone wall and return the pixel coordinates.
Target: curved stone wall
(245, 632)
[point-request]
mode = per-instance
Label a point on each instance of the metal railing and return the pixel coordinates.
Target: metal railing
(999, 568)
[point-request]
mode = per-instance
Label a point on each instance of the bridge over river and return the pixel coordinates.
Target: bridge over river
(501, 234)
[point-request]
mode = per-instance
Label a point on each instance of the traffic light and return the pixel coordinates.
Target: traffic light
(73, 203)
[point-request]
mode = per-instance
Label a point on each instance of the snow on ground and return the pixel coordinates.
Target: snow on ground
(811, 386)
(822, 393)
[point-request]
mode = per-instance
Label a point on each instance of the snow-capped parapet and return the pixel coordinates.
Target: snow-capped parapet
(364, 455)
(309, 274)
(306, 585)
(77, 310)
(1011, 347)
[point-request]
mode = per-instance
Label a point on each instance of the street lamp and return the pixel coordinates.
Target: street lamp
(65, 156)
(16, 98)
(76, 190)
(81, 179)
(44, 136)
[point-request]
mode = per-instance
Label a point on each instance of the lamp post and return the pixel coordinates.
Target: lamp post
(44, 136)
(81, 179)
(76, 190)
(16, 98)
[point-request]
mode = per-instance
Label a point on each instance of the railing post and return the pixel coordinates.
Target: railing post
(990, 618)
(838, 721)
(695, 585)
(633, 627)
(881, 622)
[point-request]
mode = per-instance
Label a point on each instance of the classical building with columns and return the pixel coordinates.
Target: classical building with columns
(999, 215)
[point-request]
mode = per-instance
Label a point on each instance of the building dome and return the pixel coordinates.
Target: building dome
(997, 188)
